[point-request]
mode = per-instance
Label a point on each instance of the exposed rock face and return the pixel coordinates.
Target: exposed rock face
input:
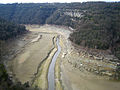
(73, 13)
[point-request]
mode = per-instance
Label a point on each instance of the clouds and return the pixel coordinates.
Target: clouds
(49, 1)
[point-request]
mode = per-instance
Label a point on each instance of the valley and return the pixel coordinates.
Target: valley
(72, 70)
(60, 46)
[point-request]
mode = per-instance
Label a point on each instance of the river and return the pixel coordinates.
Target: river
(51, 72)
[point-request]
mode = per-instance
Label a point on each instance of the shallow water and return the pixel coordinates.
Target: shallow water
(51, 72)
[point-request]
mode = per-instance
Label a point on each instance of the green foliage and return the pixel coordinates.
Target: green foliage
(3, 74)
(99, 27)
(27, 13)
(117, 51)
(7, 84)
(9, 29)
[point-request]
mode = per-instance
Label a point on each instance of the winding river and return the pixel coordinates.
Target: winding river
(51, 72)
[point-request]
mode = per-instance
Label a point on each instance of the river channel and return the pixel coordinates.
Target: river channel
(51, 72)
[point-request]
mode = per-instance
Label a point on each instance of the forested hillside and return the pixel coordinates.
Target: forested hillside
(26, 13)
(96, 24)
(9, 29)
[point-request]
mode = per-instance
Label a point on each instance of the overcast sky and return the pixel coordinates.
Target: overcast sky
(49, 1)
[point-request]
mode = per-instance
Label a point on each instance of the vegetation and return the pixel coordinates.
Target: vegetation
(26, 13)
(6, 83)
(100, 26)
(96, 24)
(8, 30)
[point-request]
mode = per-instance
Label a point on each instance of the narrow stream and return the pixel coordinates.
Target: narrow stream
(51, 72)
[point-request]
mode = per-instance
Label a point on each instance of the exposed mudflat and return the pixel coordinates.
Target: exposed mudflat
(25, 64)
(36, 49)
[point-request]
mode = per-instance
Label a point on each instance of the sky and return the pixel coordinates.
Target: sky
(49, 1)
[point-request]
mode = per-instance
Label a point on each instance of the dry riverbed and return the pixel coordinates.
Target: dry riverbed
(33, 55)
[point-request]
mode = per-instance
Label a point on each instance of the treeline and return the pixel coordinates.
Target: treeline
(9, 29)
(27, 13)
